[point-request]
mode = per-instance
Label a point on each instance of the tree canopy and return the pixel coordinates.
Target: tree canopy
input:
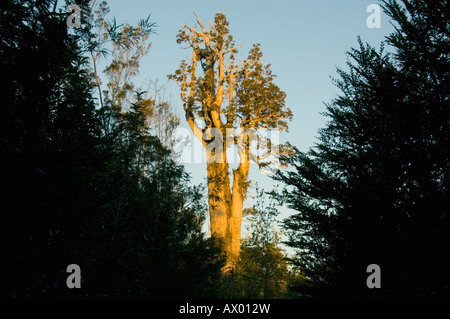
(105, 195)
(229, 103)
(375, 187)
(91, 176)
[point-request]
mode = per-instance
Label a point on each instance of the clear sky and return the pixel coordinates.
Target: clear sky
(303, 40)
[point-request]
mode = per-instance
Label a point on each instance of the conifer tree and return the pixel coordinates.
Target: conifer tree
(375, 187)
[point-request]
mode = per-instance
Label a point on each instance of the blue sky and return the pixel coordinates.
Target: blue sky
(303, 40)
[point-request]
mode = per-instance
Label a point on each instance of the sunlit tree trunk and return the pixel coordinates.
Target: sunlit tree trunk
(218, 199)
(235, 218)
(215, 113)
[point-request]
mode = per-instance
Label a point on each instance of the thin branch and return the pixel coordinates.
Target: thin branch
(200, 22)
(236, 47)
(194, 31)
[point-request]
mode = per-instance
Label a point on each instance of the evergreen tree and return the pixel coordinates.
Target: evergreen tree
(375, 188)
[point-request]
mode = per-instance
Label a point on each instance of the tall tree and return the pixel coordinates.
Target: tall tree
(228, 103)
(375, 187)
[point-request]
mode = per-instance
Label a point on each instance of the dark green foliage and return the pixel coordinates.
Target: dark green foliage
(262, 271)
(81, 190)
(48, 135)
(375, 189)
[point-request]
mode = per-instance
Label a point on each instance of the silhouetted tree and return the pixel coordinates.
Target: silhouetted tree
(48, 138)
(105, 196)
(375, 188)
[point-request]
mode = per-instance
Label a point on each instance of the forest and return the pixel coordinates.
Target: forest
(92, 173)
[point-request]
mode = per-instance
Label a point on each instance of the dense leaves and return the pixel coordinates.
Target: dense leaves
(262, 270)
(89, 178)
(78, 190)
(375, 188)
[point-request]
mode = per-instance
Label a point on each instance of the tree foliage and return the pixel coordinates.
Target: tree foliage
(105, 195)
(375, 187)
(228, 104)
(262, 270)
(89, 176)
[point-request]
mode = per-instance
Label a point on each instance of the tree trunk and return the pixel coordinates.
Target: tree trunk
(225, 207)
(235, 217)
(218, 185)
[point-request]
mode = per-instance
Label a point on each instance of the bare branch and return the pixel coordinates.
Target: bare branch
(236, 47)
(212, 27)
(198, 133)
(200, 22)
(194, 31)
